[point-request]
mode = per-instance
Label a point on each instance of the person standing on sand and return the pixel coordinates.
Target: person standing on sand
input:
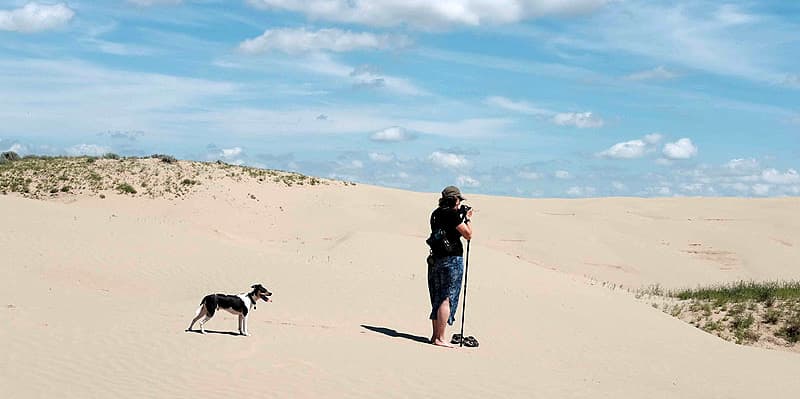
(449, 222)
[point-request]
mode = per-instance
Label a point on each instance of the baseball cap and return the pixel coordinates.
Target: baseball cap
(452, 191)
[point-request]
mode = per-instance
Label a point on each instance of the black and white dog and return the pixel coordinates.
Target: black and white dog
(237, 304)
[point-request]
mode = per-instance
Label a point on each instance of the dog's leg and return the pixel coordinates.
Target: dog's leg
(201, 312)
(204, 321)
(243, 325)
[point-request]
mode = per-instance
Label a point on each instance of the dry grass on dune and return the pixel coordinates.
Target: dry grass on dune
(157, 176)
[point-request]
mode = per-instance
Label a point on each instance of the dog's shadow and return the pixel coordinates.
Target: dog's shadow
(214, 332)
(395, 334)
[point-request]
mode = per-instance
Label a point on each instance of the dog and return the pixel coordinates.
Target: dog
(239, 305)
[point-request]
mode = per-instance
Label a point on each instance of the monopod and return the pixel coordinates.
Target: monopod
(464, 304)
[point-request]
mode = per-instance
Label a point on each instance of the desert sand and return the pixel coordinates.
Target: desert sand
(96, 294)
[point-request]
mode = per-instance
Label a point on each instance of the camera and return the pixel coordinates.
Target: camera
(462, 211)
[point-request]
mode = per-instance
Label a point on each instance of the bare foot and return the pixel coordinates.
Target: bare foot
(439, 342)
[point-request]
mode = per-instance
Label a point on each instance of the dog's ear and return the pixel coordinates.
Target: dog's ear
(258, 287)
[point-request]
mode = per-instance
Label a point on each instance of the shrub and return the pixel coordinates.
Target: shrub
(791, 330)
(110, 155)
(126, 188)
(9, 156)
(189, 182)
(772, 316)
(164, 158)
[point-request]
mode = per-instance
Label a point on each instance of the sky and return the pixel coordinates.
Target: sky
(523, 98)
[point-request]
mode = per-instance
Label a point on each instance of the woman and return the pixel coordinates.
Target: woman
(449, 222)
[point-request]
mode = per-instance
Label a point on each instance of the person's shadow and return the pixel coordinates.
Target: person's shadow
(395, 334)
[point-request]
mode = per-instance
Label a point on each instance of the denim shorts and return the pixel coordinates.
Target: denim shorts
(444, 281)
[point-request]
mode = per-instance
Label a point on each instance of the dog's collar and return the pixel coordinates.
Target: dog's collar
(252, 300)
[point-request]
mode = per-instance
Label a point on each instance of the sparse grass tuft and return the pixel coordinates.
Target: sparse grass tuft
(126, 188)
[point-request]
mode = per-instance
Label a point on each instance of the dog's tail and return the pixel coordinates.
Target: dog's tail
(199, 308)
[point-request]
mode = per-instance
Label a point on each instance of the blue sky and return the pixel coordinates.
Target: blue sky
(529, 98)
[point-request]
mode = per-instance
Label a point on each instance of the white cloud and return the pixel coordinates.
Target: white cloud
(619, 186)
(578, 119)
(633, 148)
(147, 3)
(354, 164)
(429, 14)
(448, 160)
(681, 149)
(380, 157)
(653, 138)
(324, 64)
(664, 190)
(761, 189)
(740, 187)
(292, 41)
(562, 174)
(776, 177)
(392, 134)
(517, 106)
(35, 17)
(729, 14)
(791, 80)
(467, 181)
(706, 36)
(527, 175)
(19, 149)
(577, 191)
(88, 149)
(625, 150)
(229, 153)
(741, 164)
(657, 73)
(692, 187)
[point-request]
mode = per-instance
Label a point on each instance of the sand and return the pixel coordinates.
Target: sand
(95, 295)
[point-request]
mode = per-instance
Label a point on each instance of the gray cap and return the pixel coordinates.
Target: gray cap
(452, 191)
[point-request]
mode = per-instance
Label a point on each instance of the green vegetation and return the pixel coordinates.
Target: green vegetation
(744, 291)
(746, 312)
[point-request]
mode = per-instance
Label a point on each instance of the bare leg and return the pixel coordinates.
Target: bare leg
(440, 324)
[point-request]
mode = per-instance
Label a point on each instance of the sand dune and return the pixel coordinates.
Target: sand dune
(96, 293)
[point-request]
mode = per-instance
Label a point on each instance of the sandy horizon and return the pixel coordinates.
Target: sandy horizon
(97, 293)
